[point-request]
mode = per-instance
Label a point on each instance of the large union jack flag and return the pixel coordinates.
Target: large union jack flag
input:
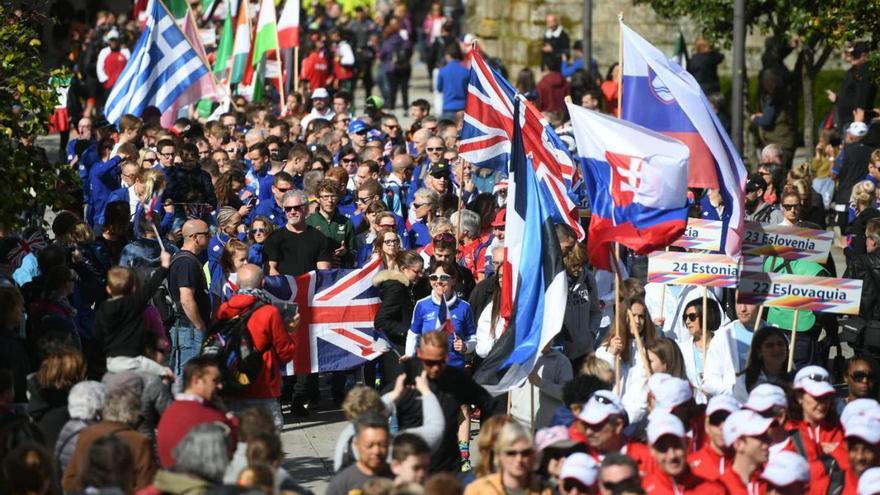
(488, 129)
(337, 307)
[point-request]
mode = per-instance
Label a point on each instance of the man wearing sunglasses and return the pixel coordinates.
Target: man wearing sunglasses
(282, 183)
(745, 432)
(433, 154)
(669, 444)
(579, 475)
(602, 421)
(618, 473)
(713, 459)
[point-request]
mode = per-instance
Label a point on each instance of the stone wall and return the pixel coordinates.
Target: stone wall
(512, 30)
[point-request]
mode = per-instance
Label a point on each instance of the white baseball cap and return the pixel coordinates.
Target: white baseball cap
(602, 404)
(320, 93)
(869, 482)
(765, 397)
(744, 422)
(786, 467)
(813, 380)
(857, 129)
(581, 467)
(865, 427)
(663, 423)
(722, 402)
(669, 391)
(859, 407)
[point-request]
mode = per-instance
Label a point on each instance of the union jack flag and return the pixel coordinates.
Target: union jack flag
(33, 243)
(488, 129)
(337, 308)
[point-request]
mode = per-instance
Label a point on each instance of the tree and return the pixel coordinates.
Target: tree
(28, 181)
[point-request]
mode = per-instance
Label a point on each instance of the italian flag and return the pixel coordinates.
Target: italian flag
(288, 25)
(242, 45)
(266, 39)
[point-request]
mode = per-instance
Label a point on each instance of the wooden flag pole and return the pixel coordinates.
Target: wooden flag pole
(793, 340)
(616, 316)
(620, 68)
(703, 321)
(296, 69)
(532, 401)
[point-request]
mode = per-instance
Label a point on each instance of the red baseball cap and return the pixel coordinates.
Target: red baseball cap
(500, 218)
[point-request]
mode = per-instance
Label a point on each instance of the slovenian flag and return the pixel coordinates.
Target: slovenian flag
(533, 270)
(637, 182)
(660, 95)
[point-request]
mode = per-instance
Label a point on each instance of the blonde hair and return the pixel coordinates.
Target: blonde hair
(510, 433)
(360, 400)
(81, 232)
(595, 366)
(62, 369)
(802, 171)
(863, 195)
(121, 280)
(153, 180)
(486, 440)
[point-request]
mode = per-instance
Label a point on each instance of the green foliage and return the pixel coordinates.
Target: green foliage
(27, 100)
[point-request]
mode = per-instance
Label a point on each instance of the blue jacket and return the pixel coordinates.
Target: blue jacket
(452, 81)
(418, 235)
(261, 184)
(425, 320)
(270, 210)
(255, 254)
(103, 180)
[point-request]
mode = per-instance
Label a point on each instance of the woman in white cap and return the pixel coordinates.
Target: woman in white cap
(787, 473)
(814, 420)
(634, 320)
(669, 446)
(514, 459)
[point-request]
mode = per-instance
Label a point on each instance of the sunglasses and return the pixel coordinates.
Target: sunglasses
(861, 376)
(690, 317)
(615, 485)
(391, 242)
(790, 207)
(289, 209)
(440, 277)
(258, 231)
(519, 453)
(349, 160)
(433, 149)
(366, 200)
(717, 418)
(431, 363)
(149, 160)
(418, 205)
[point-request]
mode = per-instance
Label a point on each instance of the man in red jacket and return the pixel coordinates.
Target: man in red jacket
(201, 381)
(669, 445)
(745, 432)
(713, 459)
(553, 87)
(602, 421)
(270, 334)
(787, 473)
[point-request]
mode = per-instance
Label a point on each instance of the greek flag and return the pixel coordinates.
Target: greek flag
(161, 68)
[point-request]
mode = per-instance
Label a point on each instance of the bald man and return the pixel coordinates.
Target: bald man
(271, 335)
(189, 290)
(397, 182)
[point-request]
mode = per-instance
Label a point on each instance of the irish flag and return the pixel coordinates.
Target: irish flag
(266, 39)
(288, 25)
(242, 46)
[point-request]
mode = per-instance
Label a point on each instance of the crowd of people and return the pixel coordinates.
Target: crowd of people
(115, 322)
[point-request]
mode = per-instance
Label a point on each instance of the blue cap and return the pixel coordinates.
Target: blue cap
(375, 135)
(357, 125)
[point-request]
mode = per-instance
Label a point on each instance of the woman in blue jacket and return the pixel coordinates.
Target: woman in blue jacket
(442, 310)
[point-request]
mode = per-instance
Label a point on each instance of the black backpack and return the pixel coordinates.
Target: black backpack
(169, 310)
(400, 60)
(231, 345)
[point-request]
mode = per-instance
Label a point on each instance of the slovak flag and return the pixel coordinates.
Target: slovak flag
(637, 181)
(443, 323)
(660, 95)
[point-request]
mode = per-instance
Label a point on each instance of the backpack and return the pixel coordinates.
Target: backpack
(400, 60)
(168, 309)
(832, 468)
(232, 346)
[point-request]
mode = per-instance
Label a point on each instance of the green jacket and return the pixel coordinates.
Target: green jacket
(339, 230)
(784, 318)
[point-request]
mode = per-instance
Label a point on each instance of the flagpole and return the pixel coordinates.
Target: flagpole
(620, 68)
(281, 97)
(617, 316)
(793, 339)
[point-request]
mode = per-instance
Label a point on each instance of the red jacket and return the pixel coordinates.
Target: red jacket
(552, 90)
(636, 451)
(734, 485)
(660, 483)
(182, 416)
(268, 332)
(708, 464)
(315, 70)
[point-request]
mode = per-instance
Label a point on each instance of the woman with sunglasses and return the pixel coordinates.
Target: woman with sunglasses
(459, 322)
(261, 229)
(514, 459)
(693, 348)
(813, 416)
(861, 380)
(633, 319)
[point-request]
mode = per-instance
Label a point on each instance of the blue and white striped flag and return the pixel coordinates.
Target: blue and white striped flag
(161, 68)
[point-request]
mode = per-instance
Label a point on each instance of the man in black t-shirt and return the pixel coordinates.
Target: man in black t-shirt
(296, 249)
(189, 290)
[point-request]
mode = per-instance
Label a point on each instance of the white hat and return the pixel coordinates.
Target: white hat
(869, 482)
(320, 93)
(581, 467)
(744, 422)
(859, 407)
(602, 404)
(662, 423)
(786, 467)
(813, 380)
(765, 397)
(857, 129)
(722, 403)
(113, 34)
(669, 391)
(865, 427)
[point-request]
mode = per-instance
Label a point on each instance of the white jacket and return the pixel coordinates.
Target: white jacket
(722, 373)
(633, 381)
(485, 341)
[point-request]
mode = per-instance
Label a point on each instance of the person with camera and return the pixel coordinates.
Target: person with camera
(271, 336)
(866, 267)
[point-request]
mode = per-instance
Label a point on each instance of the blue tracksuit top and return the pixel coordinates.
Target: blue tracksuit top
(425, 320)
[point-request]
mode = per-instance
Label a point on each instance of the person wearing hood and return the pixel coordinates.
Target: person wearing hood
(553, 87)
(270, 334)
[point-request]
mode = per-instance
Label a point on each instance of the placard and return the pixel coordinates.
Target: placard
(792, 243)
(700, 234)
(829, 295)
(711, 270)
